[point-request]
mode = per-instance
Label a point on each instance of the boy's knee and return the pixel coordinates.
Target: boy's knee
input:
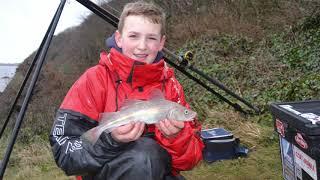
(150, 159)
(143, 159)
(148, 153)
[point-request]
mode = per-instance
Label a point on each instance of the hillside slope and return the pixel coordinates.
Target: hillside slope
(251, 46)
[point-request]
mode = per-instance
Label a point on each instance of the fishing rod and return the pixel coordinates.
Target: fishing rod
(109, 17)
(105, 15)
(181, 69)
(34, 79)
(25, 79)
(184, 61)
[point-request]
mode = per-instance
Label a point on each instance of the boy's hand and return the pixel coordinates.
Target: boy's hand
(170, 128)
(129, 132)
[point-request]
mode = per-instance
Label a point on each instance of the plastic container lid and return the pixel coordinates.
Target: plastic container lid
(302, 115)
(215, 133)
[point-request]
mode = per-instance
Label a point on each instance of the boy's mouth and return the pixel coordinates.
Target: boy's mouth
(141, 56)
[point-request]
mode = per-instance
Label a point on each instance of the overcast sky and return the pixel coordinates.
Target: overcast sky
(23, 24)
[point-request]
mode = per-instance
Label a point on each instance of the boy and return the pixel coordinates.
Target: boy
(133, 68)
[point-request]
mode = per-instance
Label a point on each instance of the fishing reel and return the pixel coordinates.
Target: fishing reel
(186, 58)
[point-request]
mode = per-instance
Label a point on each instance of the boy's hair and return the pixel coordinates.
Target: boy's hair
(140, 8)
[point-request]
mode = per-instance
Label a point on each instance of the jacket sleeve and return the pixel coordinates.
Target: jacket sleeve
(76, 115)
(74, 155)
(186, 147)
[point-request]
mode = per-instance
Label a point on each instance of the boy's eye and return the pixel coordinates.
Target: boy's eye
(132, 36)
(153, 38)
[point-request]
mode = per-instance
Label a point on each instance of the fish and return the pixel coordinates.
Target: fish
(150, 111)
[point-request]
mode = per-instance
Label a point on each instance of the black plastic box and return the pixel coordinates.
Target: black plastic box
(219, 144)
(298, 126)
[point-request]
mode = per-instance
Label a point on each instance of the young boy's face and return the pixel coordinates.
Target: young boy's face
(140, 39)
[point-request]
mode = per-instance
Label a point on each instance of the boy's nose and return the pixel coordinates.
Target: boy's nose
(142, 44)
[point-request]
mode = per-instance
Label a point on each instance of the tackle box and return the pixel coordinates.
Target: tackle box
(298, 127)
(220, 144)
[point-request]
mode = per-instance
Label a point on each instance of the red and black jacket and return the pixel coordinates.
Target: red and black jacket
(103, 88)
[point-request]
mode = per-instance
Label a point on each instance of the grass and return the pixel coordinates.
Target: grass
(261, 164)
(32, 161)
(263, 161)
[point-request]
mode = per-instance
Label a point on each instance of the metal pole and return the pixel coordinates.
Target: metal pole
(30, 89)
(26, 79)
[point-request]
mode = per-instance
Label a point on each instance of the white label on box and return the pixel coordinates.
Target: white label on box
(289, 108)
(309, 116)
(305, 162)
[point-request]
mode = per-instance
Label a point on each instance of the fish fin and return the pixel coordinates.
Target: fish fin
(129, 102)
(156, 94)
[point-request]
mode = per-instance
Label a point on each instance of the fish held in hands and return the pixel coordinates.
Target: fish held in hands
(150, 112)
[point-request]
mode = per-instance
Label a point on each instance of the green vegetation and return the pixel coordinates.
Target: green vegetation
(276, 69)
(264, 51)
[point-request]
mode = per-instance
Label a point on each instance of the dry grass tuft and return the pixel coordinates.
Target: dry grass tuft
(33, 161)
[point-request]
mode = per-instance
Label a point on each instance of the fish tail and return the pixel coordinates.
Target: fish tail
(91, 135)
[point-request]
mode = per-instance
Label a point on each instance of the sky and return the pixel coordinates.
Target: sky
(23, 24)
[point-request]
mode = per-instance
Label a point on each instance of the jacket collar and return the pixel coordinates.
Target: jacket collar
(136, 73)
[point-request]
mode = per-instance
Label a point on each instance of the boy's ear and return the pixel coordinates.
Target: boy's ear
(162, 41)
(117, 37)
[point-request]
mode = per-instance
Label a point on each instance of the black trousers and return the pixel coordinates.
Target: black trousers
(143, 159)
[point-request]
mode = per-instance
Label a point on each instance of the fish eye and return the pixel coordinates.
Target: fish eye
(186, 112)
